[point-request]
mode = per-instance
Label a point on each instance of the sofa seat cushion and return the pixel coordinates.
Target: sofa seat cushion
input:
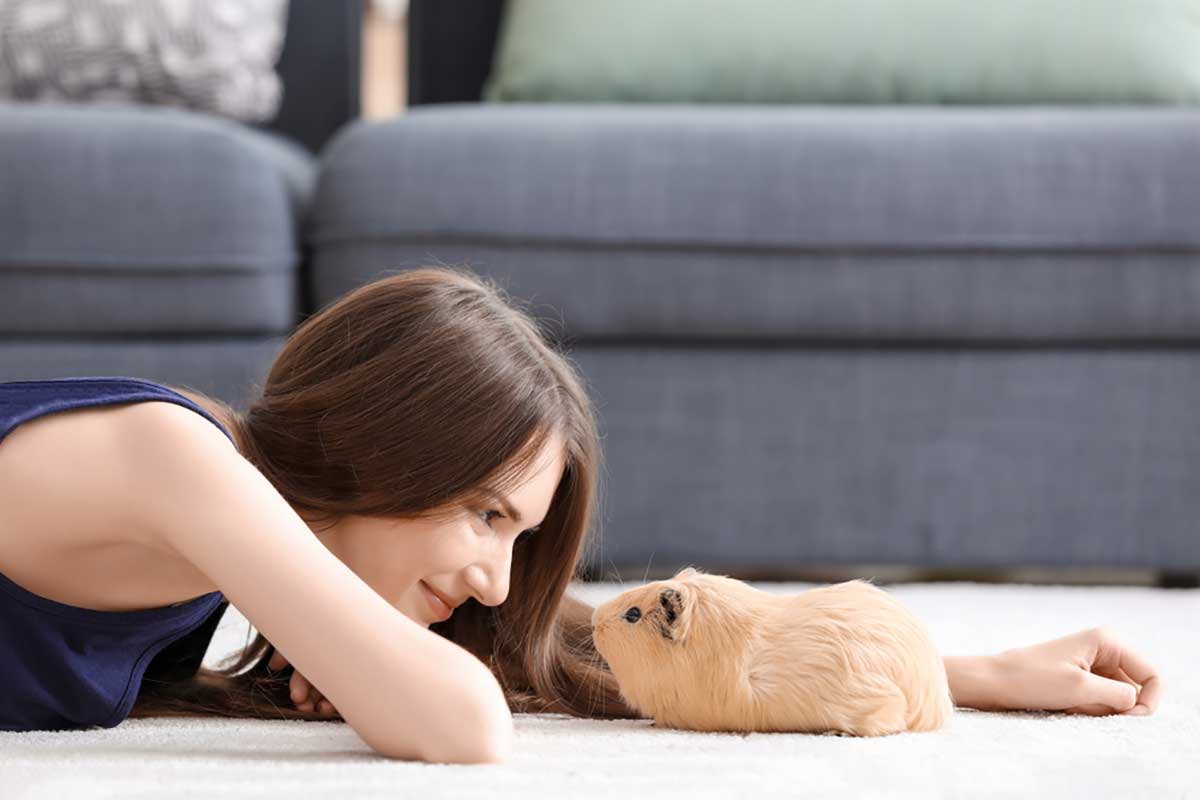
(785, 221)
(130, 220)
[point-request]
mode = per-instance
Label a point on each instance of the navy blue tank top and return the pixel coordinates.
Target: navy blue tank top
(63, 666)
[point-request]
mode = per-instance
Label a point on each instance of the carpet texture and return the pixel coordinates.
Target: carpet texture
(1011, 754)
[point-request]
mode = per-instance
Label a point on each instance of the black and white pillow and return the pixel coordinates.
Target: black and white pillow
(211, 55)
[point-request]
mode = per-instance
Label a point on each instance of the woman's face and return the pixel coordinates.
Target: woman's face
(470, 556)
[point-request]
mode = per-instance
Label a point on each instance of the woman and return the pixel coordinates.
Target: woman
(418, 447)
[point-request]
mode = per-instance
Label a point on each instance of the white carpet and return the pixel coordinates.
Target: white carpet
(1014, 754)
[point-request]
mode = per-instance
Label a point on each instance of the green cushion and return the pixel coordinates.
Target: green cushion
(866, 51)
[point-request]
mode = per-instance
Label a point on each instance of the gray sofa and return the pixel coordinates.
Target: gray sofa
(164, 243)
(949, 337)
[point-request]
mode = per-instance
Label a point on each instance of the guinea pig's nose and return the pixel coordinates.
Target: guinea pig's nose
(633, 614)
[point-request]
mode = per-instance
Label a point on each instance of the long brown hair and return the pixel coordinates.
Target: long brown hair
(409, 397)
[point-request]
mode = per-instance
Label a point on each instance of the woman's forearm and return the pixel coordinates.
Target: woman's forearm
(974, 681)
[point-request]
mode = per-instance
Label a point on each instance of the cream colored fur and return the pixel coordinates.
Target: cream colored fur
(712, 653)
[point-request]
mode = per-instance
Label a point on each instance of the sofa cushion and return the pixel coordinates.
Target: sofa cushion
(146, 220)
(216, 56)
(859, 51)
(782, 222)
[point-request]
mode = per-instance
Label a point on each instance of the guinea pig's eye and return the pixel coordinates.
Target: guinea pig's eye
(633, 614)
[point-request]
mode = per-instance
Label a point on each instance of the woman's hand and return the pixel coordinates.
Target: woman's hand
(304, 695)
(1088, 672)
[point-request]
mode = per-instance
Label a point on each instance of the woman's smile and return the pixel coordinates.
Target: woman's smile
(441, 611)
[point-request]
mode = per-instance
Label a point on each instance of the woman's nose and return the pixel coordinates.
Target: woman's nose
(489, 577)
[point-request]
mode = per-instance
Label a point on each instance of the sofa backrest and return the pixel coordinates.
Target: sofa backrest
(450, 46)
(321, 69)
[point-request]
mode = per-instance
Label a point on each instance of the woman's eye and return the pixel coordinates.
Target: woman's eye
(485, 515)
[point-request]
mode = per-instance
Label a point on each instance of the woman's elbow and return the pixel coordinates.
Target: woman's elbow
(484, 737)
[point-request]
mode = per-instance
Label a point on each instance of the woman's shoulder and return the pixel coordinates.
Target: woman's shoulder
(82, 479)
(219, 410)
(87, 437)
(93, 461)
(93, 412)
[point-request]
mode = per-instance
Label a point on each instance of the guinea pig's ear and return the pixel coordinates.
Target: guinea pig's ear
(675, 603)
(686, 572)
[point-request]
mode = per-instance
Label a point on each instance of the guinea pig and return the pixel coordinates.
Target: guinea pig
(711, 653)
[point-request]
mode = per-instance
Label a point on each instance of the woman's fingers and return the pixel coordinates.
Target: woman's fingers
(316, 702)
(1137, 670)
(299, 689)
(1116, 660)
(277, 661)
(1120, 675)
(304, 695)
(307, 697)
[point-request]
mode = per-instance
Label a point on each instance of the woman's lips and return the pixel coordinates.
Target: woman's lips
(441, 611)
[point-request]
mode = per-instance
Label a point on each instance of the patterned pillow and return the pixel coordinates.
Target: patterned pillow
(211, 55)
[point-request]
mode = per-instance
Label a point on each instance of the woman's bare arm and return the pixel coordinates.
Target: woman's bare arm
(408, 692)
(1086, 672)
(973, 681)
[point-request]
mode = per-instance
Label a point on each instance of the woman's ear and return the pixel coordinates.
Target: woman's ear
(675, 603)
